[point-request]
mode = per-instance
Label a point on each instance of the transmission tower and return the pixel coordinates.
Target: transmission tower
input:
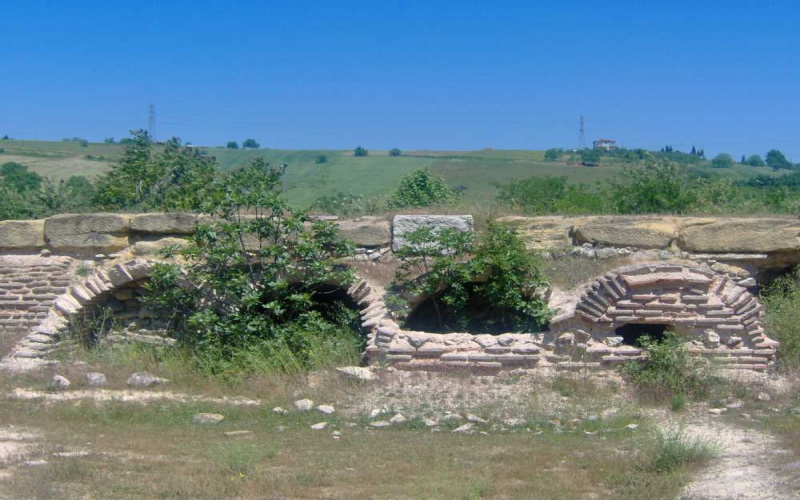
(581, 136)
(151, 121)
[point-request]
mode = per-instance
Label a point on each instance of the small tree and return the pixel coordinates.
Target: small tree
(250, 144)
(395, 152)
(755, 161)
(553, 154)
(359, 151)
(232, 145)
(590, 157)
(420, 188)
(321, 159)
(6, 138)
(109, 140)
(722, 160)
(776, 160)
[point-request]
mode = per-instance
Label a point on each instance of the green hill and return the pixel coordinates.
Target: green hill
(376, 174)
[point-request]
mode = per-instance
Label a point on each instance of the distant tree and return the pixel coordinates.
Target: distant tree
(722, 160)
(590, 157)
(395, 152)
(776, 160)
(232, 145)
(6, 138)
(359, 151)
(109, 140)
(250, 144)
(553, 154)
(126, 140)
(744, 160)
(755, 161)
(84, 143)
(694, 151)
(321, 159)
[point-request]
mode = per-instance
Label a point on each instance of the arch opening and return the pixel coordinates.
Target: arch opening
(632, 333)
(479, 316)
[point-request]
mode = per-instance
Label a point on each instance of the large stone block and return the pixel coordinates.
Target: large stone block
(165, 223)
(547, 232)
(366, 231)
(404, 224)
(742, 235)
(155, 247)
(21, 234)
(628, 232)
(87, 233)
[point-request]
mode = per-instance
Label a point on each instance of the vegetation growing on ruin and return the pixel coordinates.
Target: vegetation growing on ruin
(247, 285)
(782, 300)
(488, 284)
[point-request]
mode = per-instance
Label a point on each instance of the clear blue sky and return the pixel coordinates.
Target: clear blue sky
(722, 75)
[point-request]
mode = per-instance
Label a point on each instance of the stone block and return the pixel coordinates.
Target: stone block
(366, 231)
(742, 235)
(628, 232)
(404, 224)
(87, 233)
(165, 223)
(21, 234)
(156, 247)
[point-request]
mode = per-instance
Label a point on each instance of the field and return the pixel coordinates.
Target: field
(374, 175)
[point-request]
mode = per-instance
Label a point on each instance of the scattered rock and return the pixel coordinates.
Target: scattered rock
(320, 426)
(376, 412)
(398, 419)
(746, 416)
(613, 341)
(326, 409)
(336, 434)
(763, 396)
(593, 418)
(452, 417)
(711, 339)
(475, 419)
(430, 422)
(379, 424)
(514, 422)
(145, 379)
(35, 463)
(71, 454)
(463, 429)
(632, 427)
(303, 405)
(96, 379)
(357, 373)
(747, 282)
(735, 404)
(237, 433)
(280, 411)
(717, 411)
(59, 382)
(208, 418)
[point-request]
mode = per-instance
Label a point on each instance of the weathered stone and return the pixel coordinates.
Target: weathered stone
(404, 224)
(156, 247)
(742, 235)
(320, 426)
(145, 379)
(208, 418)
(96, 379)
(380, 423)
(366, 231)
(464, 429)
(628, 232)
(21, 234)
(165, 223)
(398, 419)
(280, 411)
(303, 405)
(59, 382)
(88, 233)
(326, 409)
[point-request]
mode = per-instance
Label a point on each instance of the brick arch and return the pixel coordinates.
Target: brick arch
(721, 319)
(91, 290)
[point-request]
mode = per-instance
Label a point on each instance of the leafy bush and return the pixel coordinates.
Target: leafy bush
(755, 161)
(545, 194)
(395, 152)
(722, 160)
(321, 159)
(553, 154)
(250, 282)
(491, 284)
(232, 145)
(674, 450)
(668, 369)
(658, 187)
(359, 151)
(177, 178)
(250, 144)
(782, 301)
(420, 188)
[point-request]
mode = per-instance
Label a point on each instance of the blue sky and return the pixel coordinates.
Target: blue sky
(722, 75)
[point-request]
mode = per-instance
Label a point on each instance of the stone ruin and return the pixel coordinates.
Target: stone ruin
(695, 276)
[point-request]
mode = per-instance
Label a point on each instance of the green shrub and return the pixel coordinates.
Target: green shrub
(669, 370)
(420, 188)
(348, 205)
(359, 151)
(674, 450)
(489, 285)
(395, 152)
(321, 159)
(782, 301)
(246, 288)
(545, 195)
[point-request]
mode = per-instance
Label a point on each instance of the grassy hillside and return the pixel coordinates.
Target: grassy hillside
(376, 174)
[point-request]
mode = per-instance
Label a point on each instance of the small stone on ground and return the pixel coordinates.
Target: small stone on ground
(303, 405)
(208, 418)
